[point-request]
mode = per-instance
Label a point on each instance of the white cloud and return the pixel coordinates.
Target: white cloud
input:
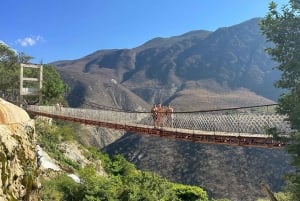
(29, 41)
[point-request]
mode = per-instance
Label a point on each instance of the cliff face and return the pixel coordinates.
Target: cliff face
(18, 167)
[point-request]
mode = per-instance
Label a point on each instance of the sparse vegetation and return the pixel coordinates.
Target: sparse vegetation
(124, 181)
(50, 136)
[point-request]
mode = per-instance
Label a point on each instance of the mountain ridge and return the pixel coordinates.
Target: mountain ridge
(233, 57)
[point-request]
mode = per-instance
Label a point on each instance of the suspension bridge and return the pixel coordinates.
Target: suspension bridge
(246, 126)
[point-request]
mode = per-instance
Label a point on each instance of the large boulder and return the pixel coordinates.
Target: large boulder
(18, 167)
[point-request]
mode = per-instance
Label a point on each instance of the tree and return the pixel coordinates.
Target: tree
(282, 29)
(8, 70)
(53, 87)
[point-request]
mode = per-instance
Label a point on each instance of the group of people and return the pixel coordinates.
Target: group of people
(58, 107)
(162, 116)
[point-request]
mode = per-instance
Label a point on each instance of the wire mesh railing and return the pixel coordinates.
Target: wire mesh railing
(249, 120)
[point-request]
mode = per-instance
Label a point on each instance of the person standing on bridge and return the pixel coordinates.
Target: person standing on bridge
(60, 106)
(57, 106)
(160, 114)
(154, 115)
(170, 115)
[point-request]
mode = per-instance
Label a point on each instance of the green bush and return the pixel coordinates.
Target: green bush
(61, 187)
(191, 193)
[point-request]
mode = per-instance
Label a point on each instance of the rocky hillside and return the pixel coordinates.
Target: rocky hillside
(224, 62)
(18, 154)
(223, 171)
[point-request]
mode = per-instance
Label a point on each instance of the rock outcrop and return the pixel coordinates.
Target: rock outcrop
(18, 167)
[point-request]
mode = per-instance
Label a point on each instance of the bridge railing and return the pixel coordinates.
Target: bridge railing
(252, 120)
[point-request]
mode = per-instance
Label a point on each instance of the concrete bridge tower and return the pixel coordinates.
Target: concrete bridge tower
(31, 86)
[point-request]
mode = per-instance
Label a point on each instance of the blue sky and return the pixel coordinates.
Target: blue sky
(51, 30)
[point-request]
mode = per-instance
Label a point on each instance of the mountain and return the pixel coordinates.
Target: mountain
(198, 66)
(194, 71)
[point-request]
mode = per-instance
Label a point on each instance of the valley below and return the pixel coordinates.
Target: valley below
(223, 171)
